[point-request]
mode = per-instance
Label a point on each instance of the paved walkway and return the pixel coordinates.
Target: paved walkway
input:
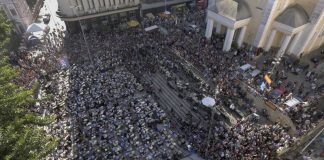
(170, 99)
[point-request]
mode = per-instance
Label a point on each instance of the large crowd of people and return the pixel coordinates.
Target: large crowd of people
(106, 108)
(248, 140)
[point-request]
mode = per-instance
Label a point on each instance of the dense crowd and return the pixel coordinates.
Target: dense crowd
(134, 119)
(304, 117)
(249, 140)
(107, 109)
(38, 59)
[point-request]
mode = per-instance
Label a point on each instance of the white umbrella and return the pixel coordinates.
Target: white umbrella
(167, 12)
(35, 27)
(208, 101)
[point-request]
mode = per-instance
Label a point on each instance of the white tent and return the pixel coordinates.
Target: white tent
(208, 101)
(245, 67)
(167, 12)
(292, 102)
(151, 28)
(35, 27)
(150, 15)
(255, 72)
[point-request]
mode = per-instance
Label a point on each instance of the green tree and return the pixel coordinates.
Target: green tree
(21, 132)
(5, 31)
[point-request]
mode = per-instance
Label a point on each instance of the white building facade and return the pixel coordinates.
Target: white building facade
(109, 12)
(293, 26)
(95, 12)
(19, 12)
(72, 10)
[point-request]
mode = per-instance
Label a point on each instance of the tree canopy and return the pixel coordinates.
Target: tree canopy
(22, 134)
(5, 31)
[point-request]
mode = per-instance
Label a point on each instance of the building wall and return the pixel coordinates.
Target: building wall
(280, 5)
(316, 40)
(18, 11)
(86, 7)
(311, 37)
(255, 21)
(263, 18)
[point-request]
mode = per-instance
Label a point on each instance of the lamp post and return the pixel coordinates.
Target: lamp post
(165, 8)
(209, 102)
(84, 37)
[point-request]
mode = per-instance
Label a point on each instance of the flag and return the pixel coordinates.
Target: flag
(268, 79)
(262, 86)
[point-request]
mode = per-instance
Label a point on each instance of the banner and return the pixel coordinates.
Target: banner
(268, 79)
(262, 86)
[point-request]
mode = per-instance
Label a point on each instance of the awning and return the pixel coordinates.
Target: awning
(150, 15)
(167, 12)
(132, 23)
(255, 72)
(151, 28)
(245, 67)
(292, 102)
(164, 14)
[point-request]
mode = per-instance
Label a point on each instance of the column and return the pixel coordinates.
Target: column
(91, 4)
(284, 46)
(107, 4)
(112, 3)
(80, 5)
(73, 3)
(218, 28)
(270, 41)
(102, 3)
(241, 36)
(228, 40)
(97, 5)
(309, 32)
(264, 27)
(85, 5)
(209, 28)
(294, 42)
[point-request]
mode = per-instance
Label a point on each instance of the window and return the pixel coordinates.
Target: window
(13, 12)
